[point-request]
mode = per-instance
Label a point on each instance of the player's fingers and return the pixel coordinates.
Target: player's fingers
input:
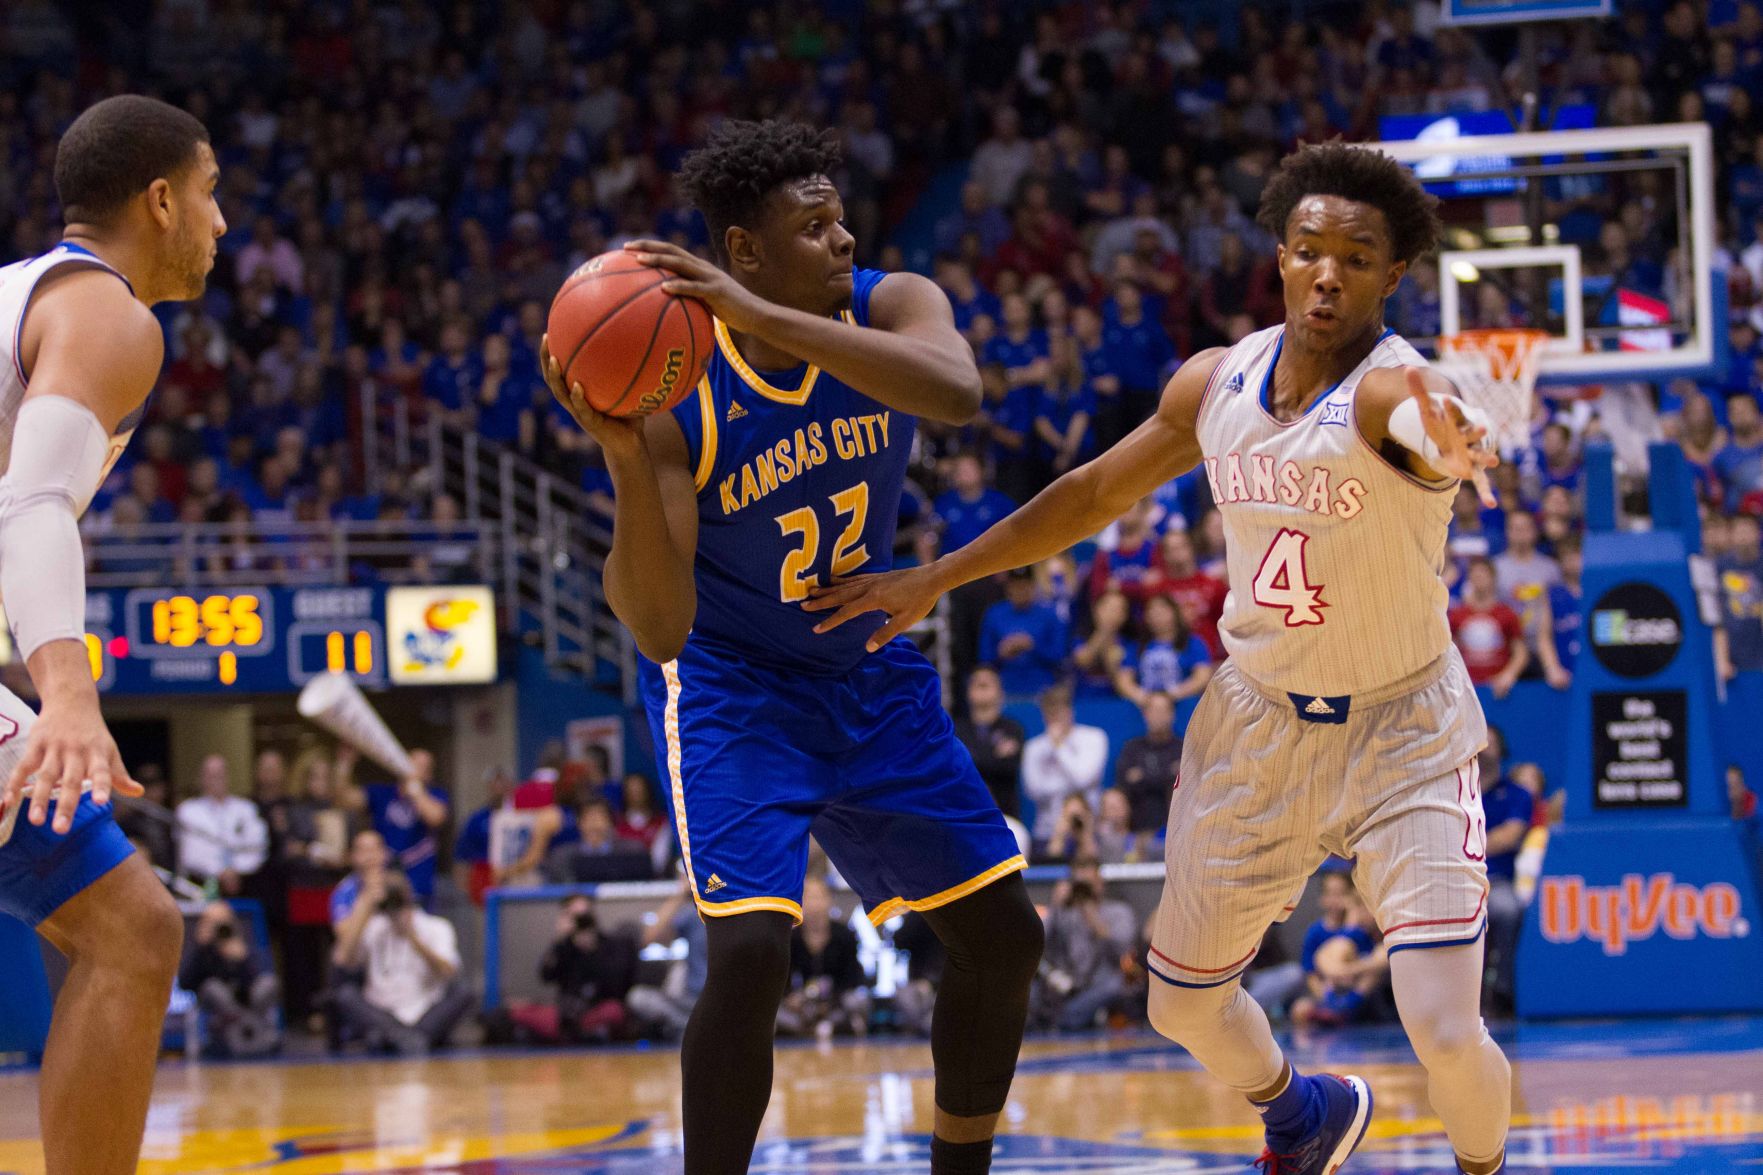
(98, 771)
(684, 288)
(1483, 489)
(644, 245)
(849, 612)
(121, 782)
(20, 782)
(840, 590)
(68, 791)
(887, 632)
(43, 785)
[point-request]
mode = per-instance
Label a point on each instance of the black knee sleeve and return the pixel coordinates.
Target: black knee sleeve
(725, 1055)
(994, 939)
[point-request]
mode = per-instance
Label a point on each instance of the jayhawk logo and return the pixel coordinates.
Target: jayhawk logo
(436, 645)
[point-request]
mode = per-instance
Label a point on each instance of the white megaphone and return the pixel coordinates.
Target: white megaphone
(335, 702)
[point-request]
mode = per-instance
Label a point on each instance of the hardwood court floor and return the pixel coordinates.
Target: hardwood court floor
(1675, 1096)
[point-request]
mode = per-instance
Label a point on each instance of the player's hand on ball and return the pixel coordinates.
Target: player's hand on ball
(612, 432)
(68, 746)
(697, 278)
(906, 596)
(1463, 445)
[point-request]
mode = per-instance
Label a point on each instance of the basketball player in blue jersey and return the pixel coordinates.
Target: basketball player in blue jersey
(784, 470)
(81, 351)
(1344, 721)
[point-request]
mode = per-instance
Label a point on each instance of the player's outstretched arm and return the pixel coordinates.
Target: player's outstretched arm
(913, 360)
(1413, 416)
(1074, 507)
(92, 353)
(648, 575)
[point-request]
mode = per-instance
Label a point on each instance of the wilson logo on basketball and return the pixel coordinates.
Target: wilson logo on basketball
(676, 361)
(1636, 910)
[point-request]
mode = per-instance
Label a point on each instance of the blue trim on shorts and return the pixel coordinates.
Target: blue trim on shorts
(1451, 942)
(1232, 978)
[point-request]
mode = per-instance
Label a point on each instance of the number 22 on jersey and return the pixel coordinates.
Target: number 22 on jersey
(1283, 582)
(794, 580)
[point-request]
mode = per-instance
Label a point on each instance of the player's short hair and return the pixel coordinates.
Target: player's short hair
(116, 148)
(1362, 175)
(729, 177)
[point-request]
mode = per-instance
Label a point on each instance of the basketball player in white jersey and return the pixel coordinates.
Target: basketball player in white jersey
(79, 351)
(1344, 721)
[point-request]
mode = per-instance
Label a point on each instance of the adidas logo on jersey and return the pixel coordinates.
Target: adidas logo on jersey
(1234, 384)
(735, 411)
(1318, 707)
(715, 883)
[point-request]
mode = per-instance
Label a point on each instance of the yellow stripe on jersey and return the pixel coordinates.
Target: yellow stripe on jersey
(893, 906)
(796, 397)
(706, 449)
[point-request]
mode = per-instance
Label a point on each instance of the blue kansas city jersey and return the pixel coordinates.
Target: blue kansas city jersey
(799, 479)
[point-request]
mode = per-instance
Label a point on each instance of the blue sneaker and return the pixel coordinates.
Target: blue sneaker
(1343, 1127)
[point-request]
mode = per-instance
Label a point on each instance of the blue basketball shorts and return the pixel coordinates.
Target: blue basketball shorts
(40, 869)
(868, 763)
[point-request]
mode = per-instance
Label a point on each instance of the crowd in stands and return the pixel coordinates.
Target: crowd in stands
(408, 183)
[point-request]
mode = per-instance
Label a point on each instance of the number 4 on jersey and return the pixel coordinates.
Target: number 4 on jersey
(1283, 582)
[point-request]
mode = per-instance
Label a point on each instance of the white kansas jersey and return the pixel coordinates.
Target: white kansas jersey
(17, 282)
(1334, 554)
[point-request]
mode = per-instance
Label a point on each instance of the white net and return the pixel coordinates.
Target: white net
(1496, 370)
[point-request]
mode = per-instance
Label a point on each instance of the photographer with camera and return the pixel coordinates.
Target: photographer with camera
(1090, 943)
(412, 996)
(593, 969)
(234, 986)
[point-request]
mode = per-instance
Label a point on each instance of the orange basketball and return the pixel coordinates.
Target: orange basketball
(634, 349)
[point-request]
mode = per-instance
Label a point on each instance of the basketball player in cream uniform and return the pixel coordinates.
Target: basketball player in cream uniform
(80, 350)
(1344, 721)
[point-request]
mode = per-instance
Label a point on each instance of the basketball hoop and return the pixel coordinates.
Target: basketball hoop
(1496, 370)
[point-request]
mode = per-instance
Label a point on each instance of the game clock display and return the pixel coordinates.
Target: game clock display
(275, 639)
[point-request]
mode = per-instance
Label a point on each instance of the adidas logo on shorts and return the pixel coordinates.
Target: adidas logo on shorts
(715, 883)
(1315, 708)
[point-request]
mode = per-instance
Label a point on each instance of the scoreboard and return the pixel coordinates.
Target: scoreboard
(275, 639)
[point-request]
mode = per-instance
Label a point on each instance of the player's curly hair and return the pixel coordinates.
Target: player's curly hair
(1360, 174)
(729, 177)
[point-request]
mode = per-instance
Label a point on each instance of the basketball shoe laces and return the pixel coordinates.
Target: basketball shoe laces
(1298, 1162)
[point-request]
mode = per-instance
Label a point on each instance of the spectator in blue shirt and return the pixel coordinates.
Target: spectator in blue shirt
(967, 297)
(1739, 466)
(1738, 642)
(1562, 619)
(1140, 348)
(453, 376)
(504, 396)
(1009, 416)
(970, 507)
(471, 851)
(1062, 420)
(1507, 808)
(1172, 660)
(1102, 374)
(1342, 961)
(407, 815)
(1023, 638)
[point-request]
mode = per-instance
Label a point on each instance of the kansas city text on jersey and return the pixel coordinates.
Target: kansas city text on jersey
(852, 438)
